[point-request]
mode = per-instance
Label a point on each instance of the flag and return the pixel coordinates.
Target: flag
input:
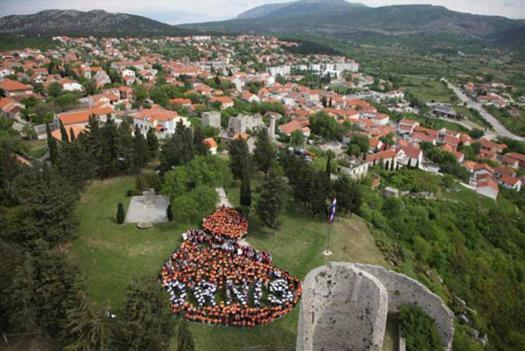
(332, 210)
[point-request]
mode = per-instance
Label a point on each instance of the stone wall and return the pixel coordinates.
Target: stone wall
(342, 308)
(345, 306)
(405, 290)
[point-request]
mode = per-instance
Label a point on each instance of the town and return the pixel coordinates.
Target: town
(334, 198)
(312, 103)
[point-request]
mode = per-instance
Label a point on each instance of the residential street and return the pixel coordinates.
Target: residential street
(498, 127)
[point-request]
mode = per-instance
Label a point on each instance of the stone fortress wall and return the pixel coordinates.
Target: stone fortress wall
(345, 307)
(404, 290)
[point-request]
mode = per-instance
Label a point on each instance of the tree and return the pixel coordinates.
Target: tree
(239, 155)
(296, 139)
(419, 330)
(177, 150)
(75, 164)
(86, 327)
(246, 191)
(317, 190)
(184, 338)
(72, 136)
(147, 321)
(264, 152)
(141, 150)
(63, 133)
(169, 213)
(153, 143)
(348, 195)
(271, 199)
(198, 142)
(22, 313)
(125, 148)
(44, 204)
(51, 146)
(121, 215)
(358, 145)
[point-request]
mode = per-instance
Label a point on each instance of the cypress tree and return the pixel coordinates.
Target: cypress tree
(198, 142)
(52, 146)
(184, 338)
(63, 133)
(239, 155)
(72, 137)
(264, 153)
(271, 200)
(121, 215)
(153, 143)
(140, 150)
(328, 168)
(169, 213)
(246, 188)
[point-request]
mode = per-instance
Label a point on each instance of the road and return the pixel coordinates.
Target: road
(498, 127)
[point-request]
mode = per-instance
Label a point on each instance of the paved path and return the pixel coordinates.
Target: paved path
(498, 127)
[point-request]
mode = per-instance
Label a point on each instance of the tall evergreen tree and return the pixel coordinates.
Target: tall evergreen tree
(184, 338)
(140, 149)
(198, 142)
(348, 195)
(318, 189)
(86, 327)
(125, 148)
(264, 153)
(46, 202)
(121, 215)
(63, 133)
(51, 146)
(147, 321)
(239, 156)
(22, 312)
(72, 135)
(75, 164)
(177, 150)
(246, 188)
(107, 160)
(153, 143)
(271, 199)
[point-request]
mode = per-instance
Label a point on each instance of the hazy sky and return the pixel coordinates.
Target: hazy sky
(181, 11)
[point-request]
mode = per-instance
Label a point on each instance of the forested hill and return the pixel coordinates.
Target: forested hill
(63, 22)
(339, 19)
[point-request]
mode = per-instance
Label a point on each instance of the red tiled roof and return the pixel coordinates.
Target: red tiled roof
(13, 85)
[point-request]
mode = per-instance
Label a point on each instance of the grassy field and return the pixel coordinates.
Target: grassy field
(427, 90)
(110, 255)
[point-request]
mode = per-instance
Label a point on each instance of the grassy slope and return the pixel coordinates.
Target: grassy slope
(110, 255)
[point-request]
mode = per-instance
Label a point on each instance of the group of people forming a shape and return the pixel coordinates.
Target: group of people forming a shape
(214, 279)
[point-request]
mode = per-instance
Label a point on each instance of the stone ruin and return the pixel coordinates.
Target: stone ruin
(345, 307)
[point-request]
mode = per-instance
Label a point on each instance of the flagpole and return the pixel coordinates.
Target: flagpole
(331, 218)
(327, 251)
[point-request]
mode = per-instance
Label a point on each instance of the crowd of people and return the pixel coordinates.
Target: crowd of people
(213, 279)
(226, 222)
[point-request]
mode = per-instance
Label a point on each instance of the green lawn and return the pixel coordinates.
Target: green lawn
(427, 90)
(110, 255)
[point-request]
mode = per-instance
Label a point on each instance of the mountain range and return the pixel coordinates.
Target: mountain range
(335, 19)
(343, 19)
(74, 22)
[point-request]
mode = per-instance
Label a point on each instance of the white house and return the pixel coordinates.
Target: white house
(164, 122)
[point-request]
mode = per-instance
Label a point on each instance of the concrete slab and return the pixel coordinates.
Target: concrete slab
(140, 211)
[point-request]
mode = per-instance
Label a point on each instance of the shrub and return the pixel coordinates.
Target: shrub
(121, 215)
(419, 330)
